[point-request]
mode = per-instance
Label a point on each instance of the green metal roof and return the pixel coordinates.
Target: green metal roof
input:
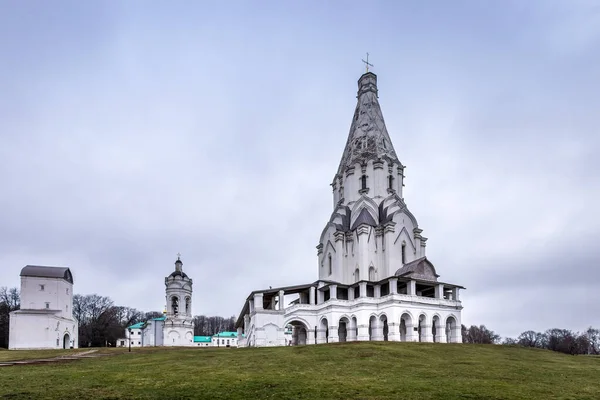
(226, 334)
(139, 325)
(159, 319)
(201, 339)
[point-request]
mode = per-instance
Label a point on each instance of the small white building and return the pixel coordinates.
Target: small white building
(374, 279)
(144, 334)
(225, 339)
(45, 320)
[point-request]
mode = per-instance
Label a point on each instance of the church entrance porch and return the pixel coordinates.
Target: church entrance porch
(300, 334)
(323, 332)
(343, 329)
(66, 341)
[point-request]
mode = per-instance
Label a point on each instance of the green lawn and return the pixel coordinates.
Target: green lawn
(341, 371)
(12, 355)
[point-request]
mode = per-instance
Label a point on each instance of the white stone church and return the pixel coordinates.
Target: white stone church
(375, 281)
(176, 327)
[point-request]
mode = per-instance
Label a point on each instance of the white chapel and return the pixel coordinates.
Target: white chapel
(179, 321)
(45, 320)
(374, 279)
(176, 326)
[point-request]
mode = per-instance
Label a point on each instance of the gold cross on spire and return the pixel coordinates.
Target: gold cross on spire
(178, 256)
(367, 63)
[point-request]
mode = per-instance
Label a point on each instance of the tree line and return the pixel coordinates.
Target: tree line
(561, 340)
(101, 322)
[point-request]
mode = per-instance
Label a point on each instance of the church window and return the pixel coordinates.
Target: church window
(187, 305)
(42, 288)
(67, 290)
(175, 304)
(363, 182)
(357, 275)
(403, 253)
(47, 305)
(371, 273)
(330, 265)
(390, 182)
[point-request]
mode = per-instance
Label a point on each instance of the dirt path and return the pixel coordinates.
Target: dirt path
(64, 358)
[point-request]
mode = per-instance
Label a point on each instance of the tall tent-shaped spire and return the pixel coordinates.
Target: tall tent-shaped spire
(368, 138)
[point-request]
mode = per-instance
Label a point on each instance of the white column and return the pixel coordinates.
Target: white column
(442, 335)
(320, 297)
(458, 333)
(333, 334)
(363, 289)
(377, 332)
(310, 337)
(439, 291)
(258, 301)
(377, 291)
(393, 285)
(312, 295)
(251, 305)
(351, 332)
(321, 335)
(332, 292)
(411, 288)
(455, 294)
(281, 300)
(426, 335)
(393, 331)
(363, 332)
(411, 335)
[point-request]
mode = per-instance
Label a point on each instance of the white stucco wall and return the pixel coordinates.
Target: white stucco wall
(41, 330)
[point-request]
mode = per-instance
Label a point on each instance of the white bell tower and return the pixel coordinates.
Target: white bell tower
(179, 322)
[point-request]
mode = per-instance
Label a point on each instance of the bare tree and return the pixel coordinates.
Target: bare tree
(152, 315)
(208, 326)
(532, 339)
(9, 301)
(593, 336)
(479, 334)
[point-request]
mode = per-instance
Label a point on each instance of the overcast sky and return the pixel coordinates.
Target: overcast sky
(131, 131)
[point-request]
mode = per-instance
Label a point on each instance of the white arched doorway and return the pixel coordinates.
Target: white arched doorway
(451, 326)
(406, 328)
(343, 328)
(299, 333)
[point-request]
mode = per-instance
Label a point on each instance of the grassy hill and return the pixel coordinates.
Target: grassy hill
(371, 370)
